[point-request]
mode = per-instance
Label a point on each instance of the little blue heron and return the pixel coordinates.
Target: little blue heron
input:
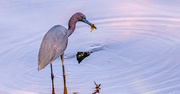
(55, 42)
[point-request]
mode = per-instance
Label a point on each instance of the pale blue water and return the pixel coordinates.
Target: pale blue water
(138, 42)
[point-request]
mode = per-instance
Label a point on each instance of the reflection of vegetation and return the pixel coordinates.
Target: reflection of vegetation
(96, 91)
(97, 88)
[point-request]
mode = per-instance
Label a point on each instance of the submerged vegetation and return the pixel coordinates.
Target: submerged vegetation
(81, 55)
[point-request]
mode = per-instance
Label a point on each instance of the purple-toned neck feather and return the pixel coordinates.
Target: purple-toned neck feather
(73, 20)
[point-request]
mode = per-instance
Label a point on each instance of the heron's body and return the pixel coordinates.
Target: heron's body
(52, 46)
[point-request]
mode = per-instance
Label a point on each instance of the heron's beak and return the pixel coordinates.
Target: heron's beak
(87, 22)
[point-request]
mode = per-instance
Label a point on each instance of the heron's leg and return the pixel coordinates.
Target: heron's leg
(52, 78)
(64, 77)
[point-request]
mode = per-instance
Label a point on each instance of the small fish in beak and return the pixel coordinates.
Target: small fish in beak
(92, 25)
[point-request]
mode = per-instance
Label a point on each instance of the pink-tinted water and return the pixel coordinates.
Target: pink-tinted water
(137, 46)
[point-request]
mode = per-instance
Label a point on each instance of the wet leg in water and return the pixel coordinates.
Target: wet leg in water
(52, 78)
(64, 77)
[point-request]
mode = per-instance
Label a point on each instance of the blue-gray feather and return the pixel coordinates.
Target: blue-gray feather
(53, 45)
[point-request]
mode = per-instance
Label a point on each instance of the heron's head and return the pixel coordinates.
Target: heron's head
(82, 17)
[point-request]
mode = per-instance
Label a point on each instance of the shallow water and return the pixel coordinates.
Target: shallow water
(136, 46)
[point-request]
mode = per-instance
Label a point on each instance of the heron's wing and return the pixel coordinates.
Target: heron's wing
(53, 45)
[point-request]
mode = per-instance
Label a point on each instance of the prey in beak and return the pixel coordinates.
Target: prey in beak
(92, 25)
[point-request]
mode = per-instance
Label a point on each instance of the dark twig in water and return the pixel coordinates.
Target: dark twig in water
(97, 88)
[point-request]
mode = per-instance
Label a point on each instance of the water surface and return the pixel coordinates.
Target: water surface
(138, 46)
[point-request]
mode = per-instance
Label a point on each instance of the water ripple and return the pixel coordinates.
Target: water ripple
(133, 54)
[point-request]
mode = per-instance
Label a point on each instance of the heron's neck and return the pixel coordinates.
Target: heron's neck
(71, 28)
(72, 24)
